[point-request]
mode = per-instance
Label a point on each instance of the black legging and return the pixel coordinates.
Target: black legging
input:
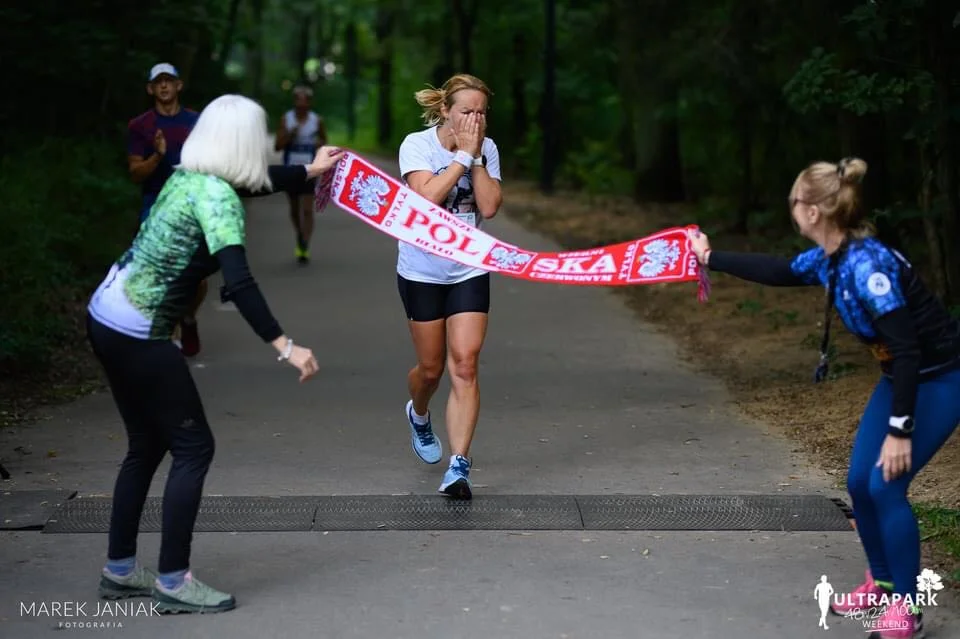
(161, 410)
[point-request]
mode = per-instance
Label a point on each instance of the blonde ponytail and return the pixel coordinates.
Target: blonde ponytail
(432, 102)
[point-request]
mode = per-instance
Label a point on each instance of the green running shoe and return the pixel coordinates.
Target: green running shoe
(138, 583)
(191, 596)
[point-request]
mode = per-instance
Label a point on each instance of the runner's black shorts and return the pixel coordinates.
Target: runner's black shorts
(306, 187)
(425, 302)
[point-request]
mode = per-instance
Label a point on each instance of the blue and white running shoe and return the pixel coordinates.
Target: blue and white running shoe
(424, 443)
(456, 481)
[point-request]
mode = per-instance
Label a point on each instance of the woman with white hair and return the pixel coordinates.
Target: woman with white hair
(195, 229)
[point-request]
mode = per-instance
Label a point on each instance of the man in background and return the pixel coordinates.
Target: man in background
(154, 141)
(300, 133)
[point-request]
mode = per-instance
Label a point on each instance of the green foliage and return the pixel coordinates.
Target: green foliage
(779, 318)
(942, 525)
(820, 83)
(67, 213)
(595, 170)
(95, 56)
(750, 306)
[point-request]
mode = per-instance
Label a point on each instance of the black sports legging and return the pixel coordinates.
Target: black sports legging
(162, 412)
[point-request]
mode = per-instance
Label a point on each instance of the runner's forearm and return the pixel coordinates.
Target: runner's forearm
(438, 187)
(282, 177)
(900, 336)
(487, 192)
(240, 288)
(141, 169)
(281, 139)
(769, 270)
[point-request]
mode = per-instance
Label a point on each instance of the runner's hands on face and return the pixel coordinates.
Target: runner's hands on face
(160, 142)
(469, 134)
(700, 244)
(326, 158)
(303, 359)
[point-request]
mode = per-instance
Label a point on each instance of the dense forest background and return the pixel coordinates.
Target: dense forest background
(715, 103)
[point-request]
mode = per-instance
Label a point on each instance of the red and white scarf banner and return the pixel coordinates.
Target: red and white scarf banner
(365, 191)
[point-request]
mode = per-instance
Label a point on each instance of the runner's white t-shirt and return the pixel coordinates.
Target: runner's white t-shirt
(422, 151)
(303, 147)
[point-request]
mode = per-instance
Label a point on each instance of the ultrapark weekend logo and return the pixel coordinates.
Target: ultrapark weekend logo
(83, 615)
(869, 607)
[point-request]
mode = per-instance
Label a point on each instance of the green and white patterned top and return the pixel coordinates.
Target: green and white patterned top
(150, 288)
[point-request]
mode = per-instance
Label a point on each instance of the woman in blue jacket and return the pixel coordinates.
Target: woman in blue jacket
(916, 404)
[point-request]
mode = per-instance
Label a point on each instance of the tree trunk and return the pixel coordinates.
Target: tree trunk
(303, 52)
(930, 227)
(846, 123)
(227, 45)
(950, 223)
(943, 49)
(548, 162)
(352, 72)
(518, 91)
(872, 147)
(746, 26)
(384, 30)
(256, 63)
(185, 53)
(326, 31)
(746, 122)
(660, 175)
(466, 16)
(939, 197)
(446, 66)
(655, 142)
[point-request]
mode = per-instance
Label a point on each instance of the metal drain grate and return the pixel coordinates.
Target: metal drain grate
(30, 509)
(217, 514)
(712, 512)
(484, 512)
(421, 512)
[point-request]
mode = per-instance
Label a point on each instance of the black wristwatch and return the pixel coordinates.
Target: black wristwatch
(901, 426)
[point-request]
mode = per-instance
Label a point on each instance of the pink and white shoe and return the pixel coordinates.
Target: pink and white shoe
(865, 598)
(898, 622)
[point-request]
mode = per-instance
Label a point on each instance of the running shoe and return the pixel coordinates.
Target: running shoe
(456, 481)
(424, 443)
(191, 596)
(139, 583)
(864, 598)
(898, 621)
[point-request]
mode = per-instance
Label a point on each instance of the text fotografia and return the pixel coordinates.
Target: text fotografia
(80, 614)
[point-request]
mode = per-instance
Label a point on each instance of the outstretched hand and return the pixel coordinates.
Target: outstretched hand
(303, 359)
(325, 159)
(700, 244)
